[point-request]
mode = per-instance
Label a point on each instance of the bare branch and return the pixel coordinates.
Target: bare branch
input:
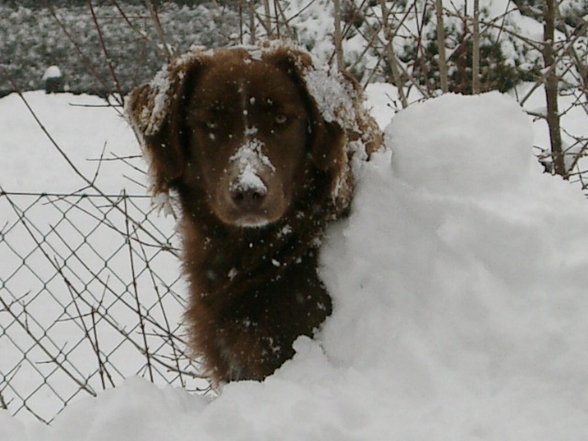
(136, 294)
(441, 46)
(338, 37)
(476, 49)
(157, 24)
(106, 55)
(390, 55)
(551, 88)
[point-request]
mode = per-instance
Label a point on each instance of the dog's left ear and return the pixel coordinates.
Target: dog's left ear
(156, 113)
(328, 138)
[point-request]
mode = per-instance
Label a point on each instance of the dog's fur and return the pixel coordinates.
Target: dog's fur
(259, 169)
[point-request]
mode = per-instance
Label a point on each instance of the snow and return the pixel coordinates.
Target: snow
(249, 159)
(573, 120)
(465, 311)
(52, 72)
(459, 288)
(82, 126)
(248, 179)
(89, 238)
(251, 154)
(485, 154)
(332, 96)
(383, 102)
(161, 86)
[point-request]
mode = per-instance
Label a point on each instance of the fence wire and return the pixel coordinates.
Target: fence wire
(90, 294)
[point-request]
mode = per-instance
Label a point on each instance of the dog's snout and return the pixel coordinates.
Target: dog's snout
(248, 199)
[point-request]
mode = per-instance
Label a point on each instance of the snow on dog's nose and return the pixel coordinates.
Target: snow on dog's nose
(248, 190)
(250, 171)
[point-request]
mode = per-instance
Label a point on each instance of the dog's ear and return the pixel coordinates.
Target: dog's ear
(157, 114)
(328, 138)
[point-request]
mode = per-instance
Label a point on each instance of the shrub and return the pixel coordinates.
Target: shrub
(33, 39)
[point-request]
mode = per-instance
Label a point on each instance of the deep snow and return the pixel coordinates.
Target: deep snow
(459, 285)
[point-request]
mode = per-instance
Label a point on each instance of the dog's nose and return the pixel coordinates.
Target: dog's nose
(248, 199)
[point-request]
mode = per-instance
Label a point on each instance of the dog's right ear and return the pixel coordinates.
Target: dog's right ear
(157, 114)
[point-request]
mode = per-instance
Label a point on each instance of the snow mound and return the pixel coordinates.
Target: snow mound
(488, 152)
(455, 316)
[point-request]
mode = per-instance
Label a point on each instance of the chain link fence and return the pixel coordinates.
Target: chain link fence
(90, 294)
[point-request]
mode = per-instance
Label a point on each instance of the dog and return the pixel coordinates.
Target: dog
(256, 144)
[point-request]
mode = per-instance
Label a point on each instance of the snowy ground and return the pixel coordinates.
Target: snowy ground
(31, 163)
(46, 241)
(459, 287)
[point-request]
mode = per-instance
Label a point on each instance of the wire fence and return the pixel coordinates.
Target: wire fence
(90, 294)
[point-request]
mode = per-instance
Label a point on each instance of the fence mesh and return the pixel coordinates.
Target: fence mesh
(90, 294)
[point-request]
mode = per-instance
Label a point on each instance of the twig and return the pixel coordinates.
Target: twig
(551, 68)
(338, 37)
(155, 18)
(93, 343)
(551, 88)
(87, 60)
(252, 30)
(118, 158)
(143, 36)
(266, 11)
(101, 365)
(68, 195)
(38, 343)
(441, 46)
(3, 404)
(285, 21)
(163, 311)
(136, 295)
(390, 55)
(97, 172)
(94, 275)
(476, 49)
(106, 55)
(88, 182)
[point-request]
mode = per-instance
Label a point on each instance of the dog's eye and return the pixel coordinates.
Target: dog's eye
(280, 118)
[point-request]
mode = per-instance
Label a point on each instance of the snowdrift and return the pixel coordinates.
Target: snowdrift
(459, 286)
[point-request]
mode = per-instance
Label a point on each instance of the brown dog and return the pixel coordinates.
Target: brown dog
(256, 144)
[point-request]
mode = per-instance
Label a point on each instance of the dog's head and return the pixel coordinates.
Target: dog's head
(242, 127)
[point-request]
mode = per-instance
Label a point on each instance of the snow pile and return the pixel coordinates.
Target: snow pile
(459, 286)
(455, 164)
(464, 302)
